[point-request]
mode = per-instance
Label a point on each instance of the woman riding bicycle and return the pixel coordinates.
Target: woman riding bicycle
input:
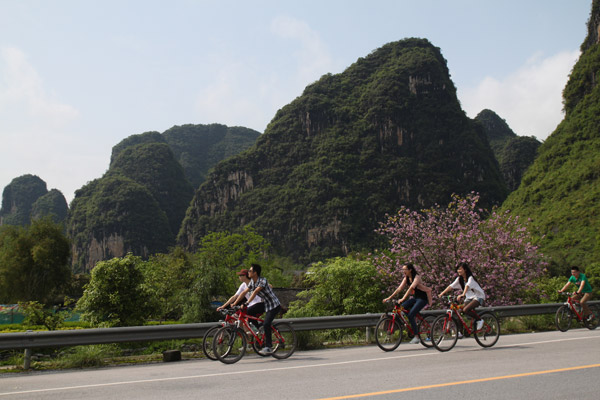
(471, 291)
(421, 296)
(256, 307)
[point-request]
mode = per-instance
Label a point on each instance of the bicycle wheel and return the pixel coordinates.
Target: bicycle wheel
(388, 333)
(488, 335)
(425, 330)
(284, 340)
(591, 324)
(563, 318)
(444, 333)
(207, 342)
(229, 344)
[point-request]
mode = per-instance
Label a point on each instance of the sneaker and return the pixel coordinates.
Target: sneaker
(415, 340)
(479, 324)
(460, 335)
(266, 351)
(590, 317)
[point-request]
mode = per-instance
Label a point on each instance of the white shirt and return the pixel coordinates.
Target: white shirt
(475, 291)
(243, 287)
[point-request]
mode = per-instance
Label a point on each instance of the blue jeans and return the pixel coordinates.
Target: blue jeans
(269, 317)
(414, 305)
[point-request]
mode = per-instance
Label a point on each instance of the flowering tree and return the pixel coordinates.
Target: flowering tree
(498, 249)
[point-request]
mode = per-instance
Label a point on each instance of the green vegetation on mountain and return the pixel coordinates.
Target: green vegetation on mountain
(18, 198)
(159, 165)
(514, 153)
(51, 204)
(198, 148)
(154, 166)
(561, 190)
(387, 132)
(112, 216)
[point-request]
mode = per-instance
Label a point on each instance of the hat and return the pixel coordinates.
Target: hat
(243, 272)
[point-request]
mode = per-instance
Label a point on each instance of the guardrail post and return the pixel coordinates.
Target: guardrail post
(368, 334)
(27, 359)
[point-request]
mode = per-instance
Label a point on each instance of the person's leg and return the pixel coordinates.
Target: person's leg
(269, 317)
(256, 310)
(418, 306)
(583, 301)
(469, 309)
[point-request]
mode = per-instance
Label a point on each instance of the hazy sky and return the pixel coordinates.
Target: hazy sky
(78, 76)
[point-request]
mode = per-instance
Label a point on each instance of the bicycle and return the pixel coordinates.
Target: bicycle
(389, 328)
(207, 340)
(572, 310)
(229, 343)
(445, 328)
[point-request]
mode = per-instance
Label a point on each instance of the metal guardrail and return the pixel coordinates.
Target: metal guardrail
(77, 337)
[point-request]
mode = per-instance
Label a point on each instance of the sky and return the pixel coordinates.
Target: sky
(79, 76)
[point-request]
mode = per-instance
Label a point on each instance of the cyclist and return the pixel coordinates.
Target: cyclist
(584, 290)
(421, 296)
(259, 286)
(255, 308)
(471, 291)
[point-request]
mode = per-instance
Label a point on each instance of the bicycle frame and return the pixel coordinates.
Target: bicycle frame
(454, 310)
(571, 303)
(401, 313)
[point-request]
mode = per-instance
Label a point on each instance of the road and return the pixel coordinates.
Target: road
(548, 365)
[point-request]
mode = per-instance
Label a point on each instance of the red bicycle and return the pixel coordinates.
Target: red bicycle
(445, 328)
(572, 310)
(229, 342)
(390, 327)
(207, 341)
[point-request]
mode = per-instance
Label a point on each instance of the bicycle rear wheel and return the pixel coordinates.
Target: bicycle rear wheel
(564, 318)
(488, 335)
(444, 333)
(592, 323)
(284, 340)
(388, 333)
(207, 342)
(229, 344)
(425, 330)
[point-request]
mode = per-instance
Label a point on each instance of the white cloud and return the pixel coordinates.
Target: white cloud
(530, 99)
(313, 56)
(34, 123)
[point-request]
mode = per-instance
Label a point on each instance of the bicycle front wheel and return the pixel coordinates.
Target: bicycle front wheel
(388, 333)
(564, 317)
(593, 322)
(444, 333)
(207, 342)
(284, 340)
(489, 333)
(425, 330)
(229, 344)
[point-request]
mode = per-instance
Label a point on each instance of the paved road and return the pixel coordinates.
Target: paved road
(550, 365)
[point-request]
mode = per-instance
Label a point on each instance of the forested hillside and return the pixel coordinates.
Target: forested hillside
(387, 132)
(140, 202)
(561, 190)
(27, 198)
(514, 153)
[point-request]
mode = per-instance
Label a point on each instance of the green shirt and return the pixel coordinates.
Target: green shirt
(587, 288)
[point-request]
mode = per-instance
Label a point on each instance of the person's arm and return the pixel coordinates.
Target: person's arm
(228, 302)
(241, 296)
(398, 289)
(565, 287)
(581, 286)
(449, 288)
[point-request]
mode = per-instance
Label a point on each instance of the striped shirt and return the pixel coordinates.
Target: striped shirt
(271, 301)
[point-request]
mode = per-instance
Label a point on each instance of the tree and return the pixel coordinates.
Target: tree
(340, 286)
(116, 295)
(33, 262)
(499, 248)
